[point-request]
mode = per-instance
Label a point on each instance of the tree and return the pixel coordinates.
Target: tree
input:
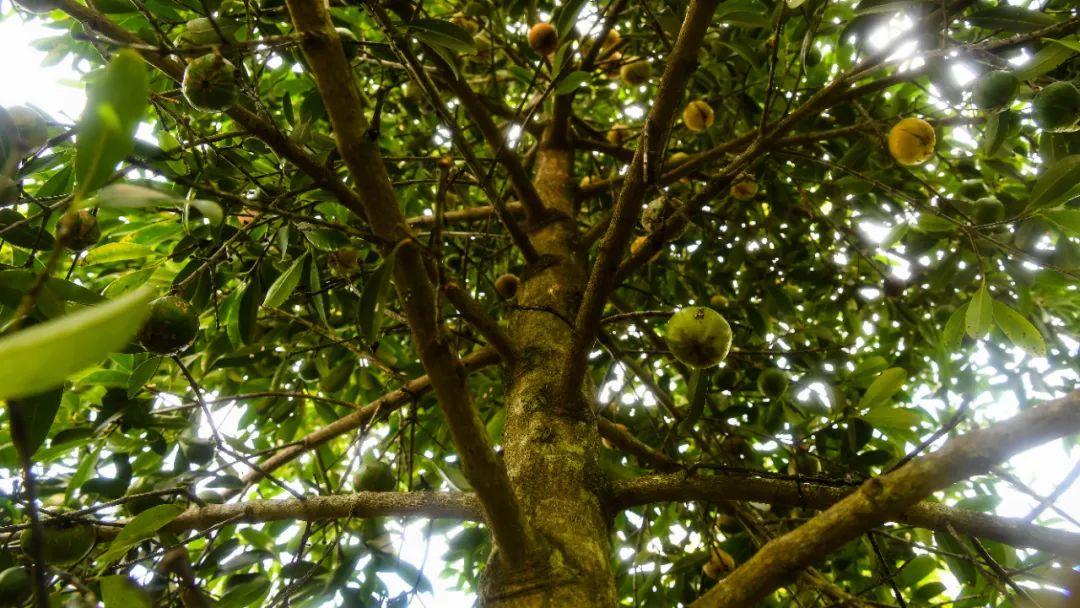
(421, 260)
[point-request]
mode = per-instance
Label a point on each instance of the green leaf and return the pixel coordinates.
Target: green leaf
(1066, 219)
(884, 387)
(130, 196)
(1019, 330)
(116, 100)
(141, 527)
(1048, 58)
(916, 570)
(119, 591)
(980, 313)
(953, 333)
(247, 311)
(142, 374)
(572, 81)
(39, 411)
(20, 280)
(565, 15)
(15, 229)
(285, 284)
(1013, 19)
(896, 418)
(245, 594)
(439, 33)
(315, 286)
(697, 389)
(117, 252)
(84, 472)
(372, 299)
(41, 357)
(1056, 185)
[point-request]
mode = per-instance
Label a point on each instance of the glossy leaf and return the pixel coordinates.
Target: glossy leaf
(41, 357)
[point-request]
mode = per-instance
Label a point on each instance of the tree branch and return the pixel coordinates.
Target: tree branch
(436, 505)
(362, 417)
(883, 498)
(322, 47)
(642, 175)
(727, 486)
(484, 323)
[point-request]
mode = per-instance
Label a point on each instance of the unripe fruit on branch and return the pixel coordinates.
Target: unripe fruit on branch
(377, 477)
(772, 383)
(79, 230)
(543, 38)
(31, 127)
(210, 83)
(171, 326)
(911, 141)
(719, 564)
(62, 544)
(15, 586)
(698, 336)
(698, 116)
(635, 71)
(995, 90)
(1057, 107)
(507, 285)
(744, 189)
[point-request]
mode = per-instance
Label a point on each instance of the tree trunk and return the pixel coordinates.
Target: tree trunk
(550, 447)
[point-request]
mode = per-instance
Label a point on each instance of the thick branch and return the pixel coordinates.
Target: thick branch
(642, 175)
(464, 216)
(888, 497)
(446, 505)
(728, 486)
(330, 69)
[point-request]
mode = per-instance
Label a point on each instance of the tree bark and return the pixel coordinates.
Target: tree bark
(551, 447)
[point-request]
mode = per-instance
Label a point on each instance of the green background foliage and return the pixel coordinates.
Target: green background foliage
(871, 285)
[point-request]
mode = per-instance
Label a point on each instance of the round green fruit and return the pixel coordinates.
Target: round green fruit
(200, 32)
(35, 6)
(972, 188)
(9, 190)
(210, 83)
(772, 383)
(988, 210)
(62, 545)
(31, 126)
(80, 230)
(171, 326)
(15, 586)
(635, 72)
(197, 450)
(995, 90)
(1057, 107)
(377, 477)
(698, 336)
(309, 370)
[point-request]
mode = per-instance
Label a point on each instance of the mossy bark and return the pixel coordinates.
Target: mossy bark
(551, 447)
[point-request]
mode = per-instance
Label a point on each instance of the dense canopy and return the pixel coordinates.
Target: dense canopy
(304, 273)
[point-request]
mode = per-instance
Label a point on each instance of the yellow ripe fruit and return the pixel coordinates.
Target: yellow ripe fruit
(635, 72)
(507, 285)
(697, 116)
(618, 134)
(744, 189)
(911, 141)
(611, 39)
(719, 564)
(543, 38)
